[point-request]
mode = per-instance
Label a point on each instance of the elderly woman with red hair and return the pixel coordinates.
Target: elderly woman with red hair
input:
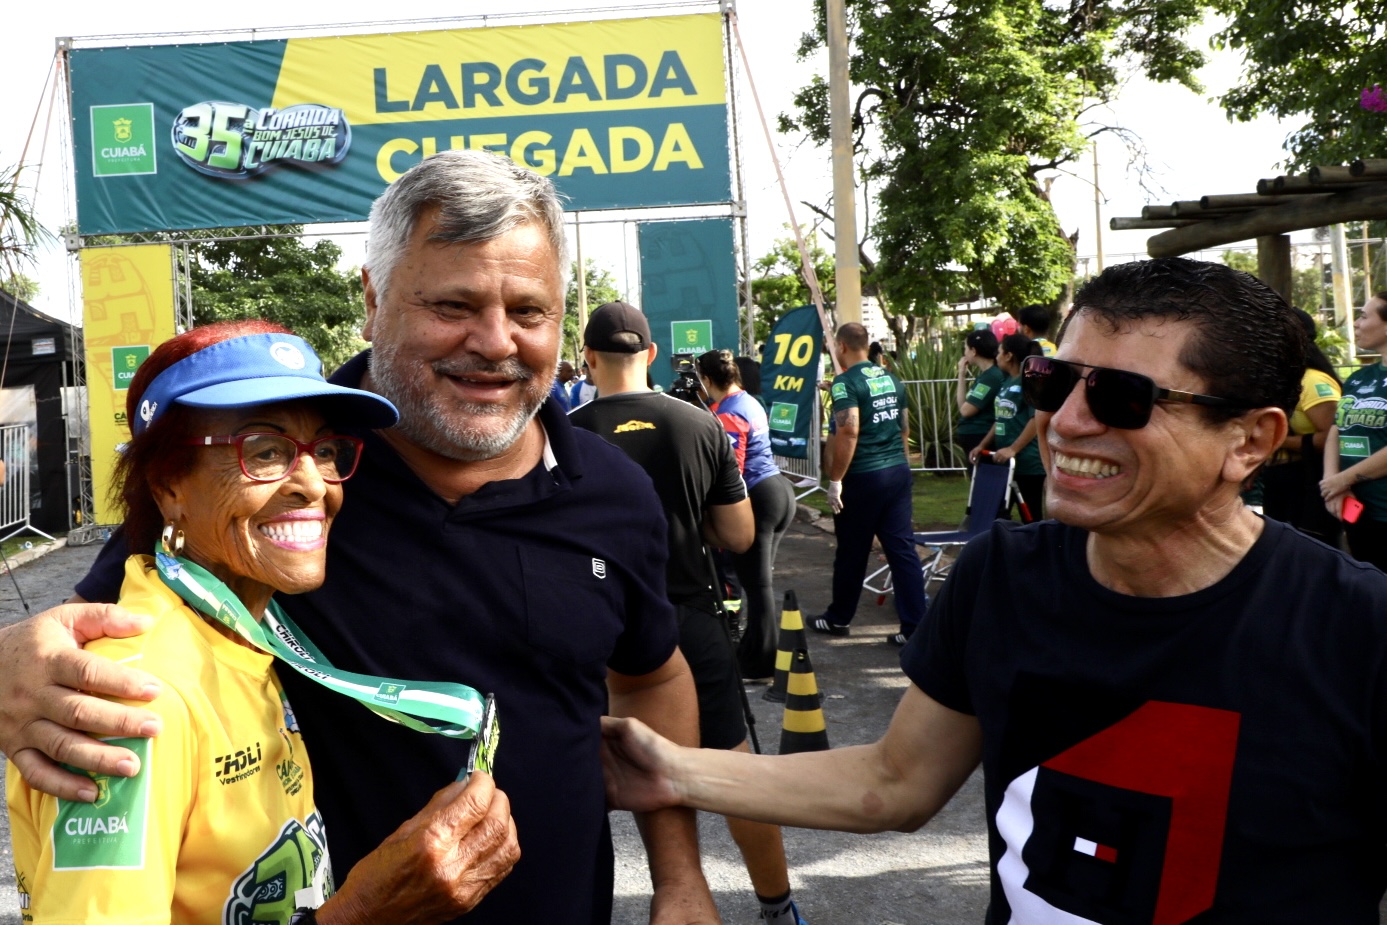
(230, 482)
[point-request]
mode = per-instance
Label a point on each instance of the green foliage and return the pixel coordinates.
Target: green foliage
(961, 108)
(601, 289)
(1307, 286)
(932, 402)
(1310, 62)
(282, 280)
(24, 288)
(777, 285)
(20, 231)
(1335, 346)
(1312, 287)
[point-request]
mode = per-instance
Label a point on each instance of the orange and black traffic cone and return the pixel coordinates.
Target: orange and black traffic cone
(791, 638)
(803, 729)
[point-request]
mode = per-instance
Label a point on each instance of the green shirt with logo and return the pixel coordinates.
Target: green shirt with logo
(880, 400)
(1013, 414)
(1362, 422)
(983, 396)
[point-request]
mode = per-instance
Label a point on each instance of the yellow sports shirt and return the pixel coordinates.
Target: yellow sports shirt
(1316, 388)
(219, 826)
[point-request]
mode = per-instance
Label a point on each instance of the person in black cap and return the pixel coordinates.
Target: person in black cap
(687, 455)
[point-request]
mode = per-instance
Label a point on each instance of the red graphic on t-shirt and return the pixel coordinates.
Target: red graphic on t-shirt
(1177, 751)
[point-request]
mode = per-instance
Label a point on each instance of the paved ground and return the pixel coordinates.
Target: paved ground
(937, 876)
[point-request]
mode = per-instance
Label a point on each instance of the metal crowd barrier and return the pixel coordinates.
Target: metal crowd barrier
(16, 449)
(934, 414)
(933, 426)
(804, 474)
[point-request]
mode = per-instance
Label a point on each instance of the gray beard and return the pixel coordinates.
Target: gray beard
(450, 430)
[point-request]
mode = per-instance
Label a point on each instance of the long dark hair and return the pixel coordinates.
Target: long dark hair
(1020, 346)
(720, 368)
(1314, 356)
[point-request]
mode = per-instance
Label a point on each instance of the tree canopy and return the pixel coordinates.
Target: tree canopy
(962, 110)
(1310, 61)
(282, 279)
(20, 231)
(601, 289)
(777, 284)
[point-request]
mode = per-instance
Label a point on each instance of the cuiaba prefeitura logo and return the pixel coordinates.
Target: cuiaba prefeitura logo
(233, 141)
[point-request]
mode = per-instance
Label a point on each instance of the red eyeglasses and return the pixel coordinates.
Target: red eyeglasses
(271, 457)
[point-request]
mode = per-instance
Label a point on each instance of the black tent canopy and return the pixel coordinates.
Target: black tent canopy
(39, 350)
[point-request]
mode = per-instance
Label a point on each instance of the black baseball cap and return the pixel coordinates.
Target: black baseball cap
(617, 327)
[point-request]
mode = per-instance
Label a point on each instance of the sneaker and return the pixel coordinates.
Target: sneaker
(821, 625)
(898, 639)
(793, 919)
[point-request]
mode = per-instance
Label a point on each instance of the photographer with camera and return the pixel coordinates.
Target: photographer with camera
(690, 461)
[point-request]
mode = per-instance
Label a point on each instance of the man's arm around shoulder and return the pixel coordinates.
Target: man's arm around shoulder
(44, 711)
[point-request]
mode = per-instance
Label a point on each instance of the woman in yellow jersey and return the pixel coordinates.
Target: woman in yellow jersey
(234, 475)
(1291, 479)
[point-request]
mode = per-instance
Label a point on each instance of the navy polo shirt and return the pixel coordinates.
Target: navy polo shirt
(529, 589)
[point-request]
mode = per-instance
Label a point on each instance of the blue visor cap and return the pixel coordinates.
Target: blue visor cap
(258, 369)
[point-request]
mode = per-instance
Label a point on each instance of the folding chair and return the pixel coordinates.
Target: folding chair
(990, 492)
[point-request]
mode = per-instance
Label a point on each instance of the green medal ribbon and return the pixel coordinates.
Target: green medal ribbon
(457, 710)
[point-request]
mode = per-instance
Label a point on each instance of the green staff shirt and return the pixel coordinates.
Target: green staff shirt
(1362, 422)
(1013, 414)
(983, 396)
(880, 399)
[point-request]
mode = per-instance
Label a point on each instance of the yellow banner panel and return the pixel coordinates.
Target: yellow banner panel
(603, 66)
(127, 310)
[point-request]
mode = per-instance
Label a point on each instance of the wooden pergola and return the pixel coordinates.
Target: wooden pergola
(1325, 196)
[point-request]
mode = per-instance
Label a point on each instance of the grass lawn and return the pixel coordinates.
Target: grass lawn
(15, 545)
(938, 500)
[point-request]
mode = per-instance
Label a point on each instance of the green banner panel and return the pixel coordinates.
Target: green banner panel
(619, 113)
(789, 379)
(688, 288)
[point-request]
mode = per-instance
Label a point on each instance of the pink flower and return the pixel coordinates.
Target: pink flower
(1373, 99)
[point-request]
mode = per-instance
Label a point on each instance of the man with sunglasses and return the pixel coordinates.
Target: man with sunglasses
(1180, 708)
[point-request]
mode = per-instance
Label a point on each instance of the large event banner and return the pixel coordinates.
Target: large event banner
(790, 379)
(688, 288)
(620, 113)
(127, 310)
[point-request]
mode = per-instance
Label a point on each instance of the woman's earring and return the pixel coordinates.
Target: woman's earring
(171, 540)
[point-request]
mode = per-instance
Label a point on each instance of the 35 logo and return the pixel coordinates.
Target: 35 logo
(234, 141)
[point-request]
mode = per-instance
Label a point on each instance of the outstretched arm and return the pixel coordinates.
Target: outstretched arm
(899, 782)
(665, 699)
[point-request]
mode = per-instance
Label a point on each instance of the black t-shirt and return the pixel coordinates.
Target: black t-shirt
(1213, 758)
(690, 459)
(529, 588)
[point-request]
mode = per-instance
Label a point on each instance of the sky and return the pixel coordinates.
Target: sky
(1192, 148)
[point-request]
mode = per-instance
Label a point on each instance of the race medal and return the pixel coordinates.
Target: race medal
(482, 755)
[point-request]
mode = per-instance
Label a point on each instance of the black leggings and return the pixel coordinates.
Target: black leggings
(773, 505)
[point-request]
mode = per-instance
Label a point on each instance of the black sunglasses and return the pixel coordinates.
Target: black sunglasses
(1116, 398)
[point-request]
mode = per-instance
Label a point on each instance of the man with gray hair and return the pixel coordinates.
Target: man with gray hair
(483, 540)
